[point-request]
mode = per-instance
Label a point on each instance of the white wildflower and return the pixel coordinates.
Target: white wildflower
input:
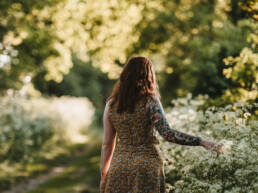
(246, 115)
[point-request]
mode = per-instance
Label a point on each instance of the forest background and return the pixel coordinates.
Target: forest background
(59, 60)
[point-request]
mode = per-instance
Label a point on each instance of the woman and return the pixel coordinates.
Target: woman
(130, 159)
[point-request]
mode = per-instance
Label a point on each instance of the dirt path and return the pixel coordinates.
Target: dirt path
(61, 171)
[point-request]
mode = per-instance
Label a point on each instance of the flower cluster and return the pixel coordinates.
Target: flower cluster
(233, 168)
(27, 125)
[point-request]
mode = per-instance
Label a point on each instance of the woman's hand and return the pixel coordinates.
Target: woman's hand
(209, 145)
(102, 185)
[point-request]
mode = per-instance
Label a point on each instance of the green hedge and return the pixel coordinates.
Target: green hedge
(196, 170)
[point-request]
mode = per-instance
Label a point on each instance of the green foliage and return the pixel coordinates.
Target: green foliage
(189, 39)
(84, 80)
(242, 71)
(21, 133)
(195, 169)
(26, 129)
(82, 176)
(79, 47)
(186, 40)
(20, 29)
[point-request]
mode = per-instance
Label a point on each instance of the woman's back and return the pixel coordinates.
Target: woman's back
(140, 126)
(136, 165)
(133, 128)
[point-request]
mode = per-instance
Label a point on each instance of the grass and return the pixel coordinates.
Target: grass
(80, 177)
(15, 173)
(21, 173)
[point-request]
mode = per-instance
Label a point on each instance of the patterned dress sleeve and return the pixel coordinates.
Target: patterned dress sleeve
(159, 120)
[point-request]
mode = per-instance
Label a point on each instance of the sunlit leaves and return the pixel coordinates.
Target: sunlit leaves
(186, 40)
(243, 70)
(191, 169)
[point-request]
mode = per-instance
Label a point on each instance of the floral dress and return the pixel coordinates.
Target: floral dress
(136, 165)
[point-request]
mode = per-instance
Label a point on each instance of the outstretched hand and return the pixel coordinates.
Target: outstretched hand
(102, 185)
(210, 145)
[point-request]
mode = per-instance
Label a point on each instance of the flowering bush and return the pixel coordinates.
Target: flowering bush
(27, 125)
(194, 169)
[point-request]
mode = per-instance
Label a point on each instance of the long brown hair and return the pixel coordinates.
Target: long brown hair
(136, 81)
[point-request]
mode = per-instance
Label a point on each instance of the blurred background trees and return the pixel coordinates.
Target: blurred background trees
(59, 60)
(78, 47)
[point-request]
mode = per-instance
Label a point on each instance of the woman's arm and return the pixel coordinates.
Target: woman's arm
(108, 144)
(158, 119)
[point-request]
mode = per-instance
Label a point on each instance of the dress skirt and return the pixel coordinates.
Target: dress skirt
(135, 169)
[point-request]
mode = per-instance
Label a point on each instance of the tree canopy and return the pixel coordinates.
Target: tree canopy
(195, 45)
